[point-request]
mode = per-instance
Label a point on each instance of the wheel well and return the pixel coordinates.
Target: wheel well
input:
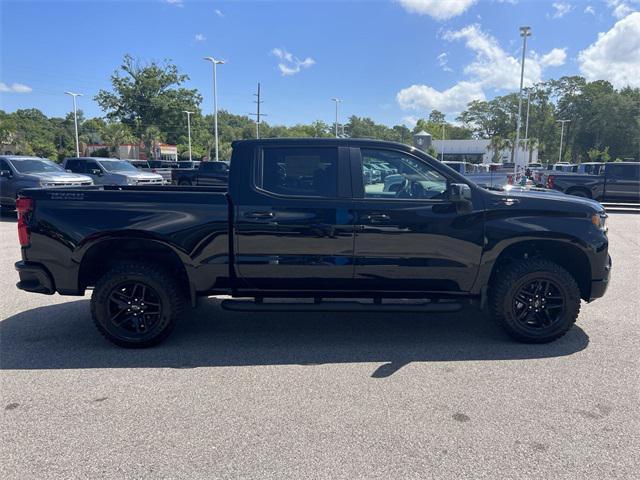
(579, 189)
(569, 257)
(103, 256)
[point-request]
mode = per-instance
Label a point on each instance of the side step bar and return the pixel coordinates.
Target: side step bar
(424, 307)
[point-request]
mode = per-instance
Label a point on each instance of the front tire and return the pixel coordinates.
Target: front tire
(136, 305)
(184, 183)
(535, 300)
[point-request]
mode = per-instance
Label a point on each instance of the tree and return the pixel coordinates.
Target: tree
(149, 95)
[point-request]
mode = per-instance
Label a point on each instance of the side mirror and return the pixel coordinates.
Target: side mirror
(459, 192)
(5, 173)
(96, 171)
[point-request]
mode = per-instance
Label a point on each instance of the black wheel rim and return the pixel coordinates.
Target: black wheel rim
(538, 304)
(134, 309)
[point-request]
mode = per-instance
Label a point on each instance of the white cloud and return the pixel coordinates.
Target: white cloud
(15, 88)
(175, 3)
(409, 121)
(200, 37)
(561, 9)
(443, 61)
(438, 9)
(425, 98)
(290, 64)
(621, 8)
(491, 68)
(554, 58)
(218, 12)
(615, 56)
(590, 10)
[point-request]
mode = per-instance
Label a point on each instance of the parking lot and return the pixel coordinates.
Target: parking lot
(234, 395)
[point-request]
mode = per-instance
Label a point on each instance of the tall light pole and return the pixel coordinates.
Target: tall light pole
(189, 130)
(526, 124)
(562, 122)
(215, 62)
(75, 119)
(524, 33)
(442, 146)
(337, 100)
(258, 113)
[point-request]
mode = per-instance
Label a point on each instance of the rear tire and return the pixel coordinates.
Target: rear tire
(136, 305)
(184, 183)
(535, 300)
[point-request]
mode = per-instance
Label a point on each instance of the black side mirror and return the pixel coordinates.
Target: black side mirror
(96, 171)
(459, 192)
(5, 173)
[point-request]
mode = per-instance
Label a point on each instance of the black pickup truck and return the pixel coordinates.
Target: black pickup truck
(298, 220)
(205, 174)
(616, 182)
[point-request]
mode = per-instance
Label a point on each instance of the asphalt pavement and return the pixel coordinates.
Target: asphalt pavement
(315, 396)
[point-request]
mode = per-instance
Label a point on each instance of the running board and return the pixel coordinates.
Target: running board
(426, 307)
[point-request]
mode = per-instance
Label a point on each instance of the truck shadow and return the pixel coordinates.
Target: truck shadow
(62, 336)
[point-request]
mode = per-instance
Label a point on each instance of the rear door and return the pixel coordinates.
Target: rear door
(408, 235)
(293, 228)
(622, 182)
(7, 190)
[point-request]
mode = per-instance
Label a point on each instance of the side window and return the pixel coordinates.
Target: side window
(308, 172)
(391, 174)
(76, 166)
(622, 171)
(4, 165)
(91, 165)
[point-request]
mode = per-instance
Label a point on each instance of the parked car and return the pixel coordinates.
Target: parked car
(482, 177)
(162, 168)
(188, 164)
(17, 172)
(590, 168)
(207, 173)
(298, 220)
(616, 182)
(111, 171)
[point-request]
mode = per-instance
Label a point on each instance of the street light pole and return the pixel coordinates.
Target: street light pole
(189, 130)
(562, 122)
(526, 125)
(75, 119)
(442, 146)
(215, 62)
(524, 33)
(337, 100)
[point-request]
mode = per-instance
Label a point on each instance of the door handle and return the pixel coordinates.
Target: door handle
(259, 215)
(376, 217)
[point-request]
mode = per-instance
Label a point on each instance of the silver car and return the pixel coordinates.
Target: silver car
(111, 171)
(17, 172)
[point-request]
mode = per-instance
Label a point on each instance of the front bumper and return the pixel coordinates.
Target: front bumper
(34, 278)
(599, 287)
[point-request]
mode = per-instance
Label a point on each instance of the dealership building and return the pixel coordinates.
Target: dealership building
(472, 151)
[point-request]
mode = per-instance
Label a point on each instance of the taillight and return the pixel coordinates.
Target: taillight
(24, 206)
(509, 179)
(551, 181)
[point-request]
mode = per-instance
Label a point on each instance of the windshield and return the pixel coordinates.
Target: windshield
(36, 165)
(117, 166)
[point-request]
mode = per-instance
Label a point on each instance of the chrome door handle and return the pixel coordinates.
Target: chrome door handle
(259, 215)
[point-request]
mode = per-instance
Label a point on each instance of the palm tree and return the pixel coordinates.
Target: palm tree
(496, 145)
(151, 136)
(532, 144)
(114, 135)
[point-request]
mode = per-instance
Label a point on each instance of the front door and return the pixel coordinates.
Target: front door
(294, 229)
(409, 236)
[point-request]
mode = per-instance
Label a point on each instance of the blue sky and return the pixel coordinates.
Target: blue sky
(389, 60)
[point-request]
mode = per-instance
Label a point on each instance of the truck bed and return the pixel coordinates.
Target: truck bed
(69, 222)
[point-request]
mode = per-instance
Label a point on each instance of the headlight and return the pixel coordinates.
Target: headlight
(599, 220)
(131, 181)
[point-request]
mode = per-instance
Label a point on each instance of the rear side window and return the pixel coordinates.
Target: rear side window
(4, 165)
(76, 166)
(308, 172)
